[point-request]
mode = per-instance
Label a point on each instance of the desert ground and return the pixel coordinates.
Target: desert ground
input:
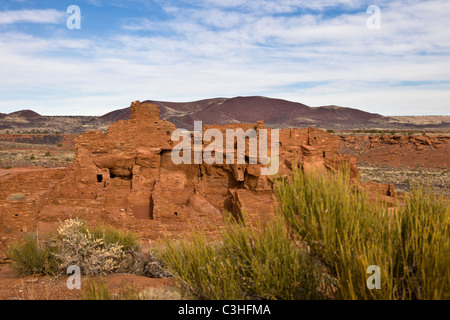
(32, 163)
(403, 159)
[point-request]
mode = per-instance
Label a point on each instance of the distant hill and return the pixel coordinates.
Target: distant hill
(27, 114)
(113, 116)
(275, 113)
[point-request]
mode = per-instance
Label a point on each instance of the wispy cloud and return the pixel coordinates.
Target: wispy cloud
(97, 3)
(50, 16)
(200, 49)
(267, 6)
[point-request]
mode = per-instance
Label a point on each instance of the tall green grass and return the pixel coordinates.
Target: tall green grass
(344, 231)
(248, 263)
(423, 254)
(31, 256)
(349, 232)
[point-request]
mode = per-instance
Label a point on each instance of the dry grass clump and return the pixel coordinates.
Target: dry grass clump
(16, 197)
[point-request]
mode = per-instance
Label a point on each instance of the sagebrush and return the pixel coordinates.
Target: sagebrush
(100, 251)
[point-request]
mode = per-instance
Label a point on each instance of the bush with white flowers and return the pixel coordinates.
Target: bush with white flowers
(79, 247)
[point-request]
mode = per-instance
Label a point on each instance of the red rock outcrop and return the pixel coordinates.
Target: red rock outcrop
(127, 177)
(431, 151)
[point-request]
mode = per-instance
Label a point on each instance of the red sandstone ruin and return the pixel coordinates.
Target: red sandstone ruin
(126, 177)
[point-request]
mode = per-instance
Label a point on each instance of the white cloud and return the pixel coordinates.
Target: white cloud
(50, 16)
(96, 3)
(231, 48)
(268, 6)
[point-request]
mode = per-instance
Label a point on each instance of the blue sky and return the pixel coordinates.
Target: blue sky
(314, 52)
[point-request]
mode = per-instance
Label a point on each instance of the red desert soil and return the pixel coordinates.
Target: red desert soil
(13, 287)
(38, 287)
(431, 152)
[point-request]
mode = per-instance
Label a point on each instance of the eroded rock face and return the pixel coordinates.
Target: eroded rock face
(436, 141)
(127, 176)
(135, 155)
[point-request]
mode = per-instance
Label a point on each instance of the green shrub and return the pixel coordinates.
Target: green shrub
(422, 257)
(248, 263)
(32, 157)
(349, 233)
(32, 256)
